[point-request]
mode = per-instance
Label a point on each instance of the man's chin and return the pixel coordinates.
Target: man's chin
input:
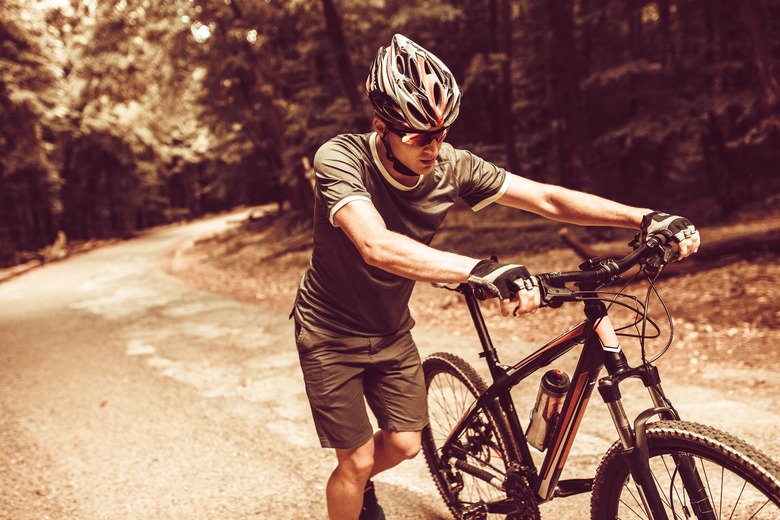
(425, 167)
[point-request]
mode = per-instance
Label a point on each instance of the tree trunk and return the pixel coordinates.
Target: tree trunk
(668, 58)
(261, 86)
(719, 165)
(634, 17)
(568, 97)
(757, 44)
(507, 114)
(344, 65)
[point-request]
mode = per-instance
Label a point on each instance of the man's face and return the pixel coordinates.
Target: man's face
(420, 159)
(418, 151)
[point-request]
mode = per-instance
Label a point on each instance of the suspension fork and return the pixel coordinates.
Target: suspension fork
(697, 490)
(636, 451)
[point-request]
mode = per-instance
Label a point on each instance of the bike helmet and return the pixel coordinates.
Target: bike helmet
(411, 88)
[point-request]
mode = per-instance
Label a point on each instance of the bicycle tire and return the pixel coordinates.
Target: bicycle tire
(453, 385)
(741, 481)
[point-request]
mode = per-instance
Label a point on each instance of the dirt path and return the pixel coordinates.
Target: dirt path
(130, 394)
(127, 394)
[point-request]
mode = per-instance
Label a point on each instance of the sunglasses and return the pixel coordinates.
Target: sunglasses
(419, 138)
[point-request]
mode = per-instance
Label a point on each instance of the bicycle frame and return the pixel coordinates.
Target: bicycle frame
(600, 349)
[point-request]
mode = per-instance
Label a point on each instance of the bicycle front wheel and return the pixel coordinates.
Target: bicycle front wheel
(473, 472)
(738, 481)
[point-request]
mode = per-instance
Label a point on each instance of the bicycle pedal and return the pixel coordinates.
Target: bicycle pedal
(476, 511)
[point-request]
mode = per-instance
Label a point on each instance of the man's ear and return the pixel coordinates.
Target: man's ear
(380, 126)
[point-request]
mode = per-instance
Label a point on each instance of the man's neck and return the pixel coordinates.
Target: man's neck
(406, 180)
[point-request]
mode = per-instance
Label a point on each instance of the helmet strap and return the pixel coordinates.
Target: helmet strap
(397, 165)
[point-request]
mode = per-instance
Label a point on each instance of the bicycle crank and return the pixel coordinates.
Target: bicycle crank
(521, 496)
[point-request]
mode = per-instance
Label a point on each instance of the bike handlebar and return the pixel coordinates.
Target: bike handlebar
(657, 251)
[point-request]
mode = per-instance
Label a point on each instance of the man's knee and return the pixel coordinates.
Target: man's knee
(358, 461)
(405, 444)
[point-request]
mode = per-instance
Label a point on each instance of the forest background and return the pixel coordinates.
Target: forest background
(117, 115)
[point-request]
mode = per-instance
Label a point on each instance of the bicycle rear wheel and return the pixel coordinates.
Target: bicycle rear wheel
(740, 481)
(478, 475)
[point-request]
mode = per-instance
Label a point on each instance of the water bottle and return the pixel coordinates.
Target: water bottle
(552, 390)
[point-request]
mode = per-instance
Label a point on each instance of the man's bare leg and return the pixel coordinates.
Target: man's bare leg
(392, 448)
(383, 451)
(345, 486)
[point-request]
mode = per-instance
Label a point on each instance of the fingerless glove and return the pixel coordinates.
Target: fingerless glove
(499, 279)
(680, 227)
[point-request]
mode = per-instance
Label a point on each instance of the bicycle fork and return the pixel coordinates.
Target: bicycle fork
(634, 440)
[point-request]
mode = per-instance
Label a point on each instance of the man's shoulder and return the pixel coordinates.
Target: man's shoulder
(460, 162)
(343, 154)
(449, 153)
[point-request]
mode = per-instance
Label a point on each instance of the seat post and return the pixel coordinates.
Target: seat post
(488, 350)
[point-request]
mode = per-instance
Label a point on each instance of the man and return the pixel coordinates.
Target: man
(380, 198)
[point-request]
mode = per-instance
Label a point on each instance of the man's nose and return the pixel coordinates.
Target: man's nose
(433, 146)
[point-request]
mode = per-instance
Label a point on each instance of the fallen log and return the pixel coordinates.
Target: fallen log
(719, 250)
(56, 251)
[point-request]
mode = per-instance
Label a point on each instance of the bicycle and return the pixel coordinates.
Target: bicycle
(480, 456)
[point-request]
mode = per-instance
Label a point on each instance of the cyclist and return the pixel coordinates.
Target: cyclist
(380, 197)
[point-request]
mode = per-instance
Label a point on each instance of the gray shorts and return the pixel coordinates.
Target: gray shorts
(340, 371)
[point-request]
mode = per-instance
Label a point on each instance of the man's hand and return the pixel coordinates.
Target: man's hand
(512, 283)
(681, 228)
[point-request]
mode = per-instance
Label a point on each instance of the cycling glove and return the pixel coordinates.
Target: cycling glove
(655, 222)
(501, 280)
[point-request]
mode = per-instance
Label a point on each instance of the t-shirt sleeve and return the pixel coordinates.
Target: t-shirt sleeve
(480, 182)
(339, 176)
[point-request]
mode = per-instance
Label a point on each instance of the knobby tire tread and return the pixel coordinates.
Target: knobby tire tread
(727, 450)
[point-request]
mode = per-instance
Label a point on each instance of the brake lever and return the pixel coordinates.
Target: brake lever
(665, 254)
(554, 297)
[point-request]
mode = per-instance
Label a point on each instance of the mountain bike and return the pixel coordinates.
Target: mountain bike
(660, 467)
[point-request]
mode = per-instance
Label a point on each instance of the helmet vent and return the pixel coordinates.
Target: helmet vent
(400, 65)
(414, 74)
(437, 94)
(416, 114)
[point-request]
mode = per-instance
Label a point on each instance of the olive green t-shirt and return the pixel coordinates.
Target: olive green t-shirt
(340, 293)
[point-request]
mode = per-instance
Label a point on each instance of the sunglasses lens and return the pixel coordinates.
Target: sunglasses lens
(424, 138)
(418, 139)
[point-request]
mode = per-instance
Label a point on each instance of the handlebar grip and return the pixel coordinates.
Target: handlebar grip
(667, 246)
(482, 294)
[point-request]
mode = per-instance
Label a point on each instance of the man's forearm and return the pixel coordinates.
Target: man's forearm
(406, 257)
(590, 210)
(570, 206)
(396, 253)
